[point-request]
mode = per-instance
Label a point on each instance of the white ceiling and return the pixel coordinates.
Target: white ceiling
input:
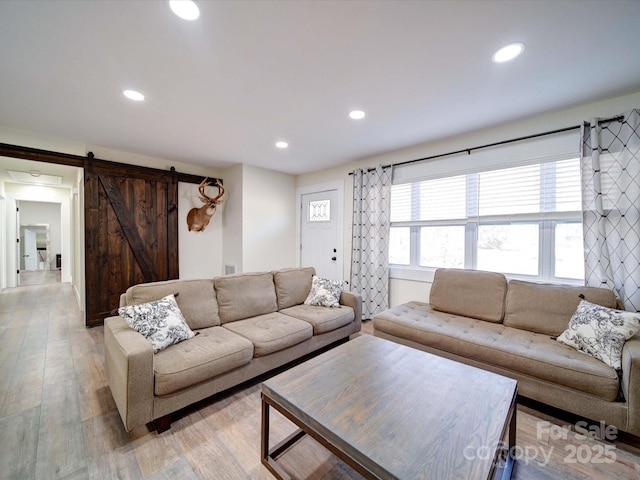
(223, 89)
(68, 175)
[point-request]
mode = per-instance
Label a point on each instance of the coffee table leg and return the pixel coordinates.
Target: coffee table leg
(264, 432)
(507, 472)
(269, 456)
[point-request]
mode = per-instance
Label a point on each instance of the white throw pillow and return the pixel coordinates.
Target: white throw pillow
(600, 332)
(160, 322)
(324, 293)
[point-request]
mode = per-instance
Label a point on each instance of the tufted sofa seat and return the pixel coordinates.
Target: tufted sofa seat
(245, 324)
(513, 334)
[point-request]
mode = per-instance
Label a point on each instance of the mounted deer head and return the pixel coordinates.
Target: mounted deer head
(198, 218)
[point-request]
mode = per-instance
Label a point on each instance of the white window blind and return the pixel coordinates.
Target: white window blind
(522, 220)
(443, 198)
(546, 187)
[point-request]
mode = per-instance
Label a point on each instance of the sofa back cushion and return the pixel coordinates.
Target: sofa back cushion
(196, 299)
(245, 295)
(470, 293)
(292, 285)
(547, 309)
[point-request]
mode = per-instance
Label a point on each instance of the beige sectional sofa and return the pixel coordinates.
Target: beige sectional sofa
(509, 327)
(245, 325)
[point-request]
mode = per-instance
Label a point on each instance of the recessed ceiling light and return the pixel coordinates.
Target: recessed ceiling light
(357, 114)
(185, 9)
(133, 95)
(508, 53)
(282, 144)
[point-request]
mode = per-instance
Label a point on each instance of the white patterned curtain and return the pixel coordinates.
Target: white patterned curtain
(370, 238)
(611, 205)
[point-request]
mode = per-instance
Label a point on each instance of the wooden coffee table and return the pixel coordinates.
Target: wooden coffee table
(391, 411)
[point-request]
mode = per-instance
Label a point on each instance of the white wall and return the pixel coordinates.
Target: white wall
(232, 233)
(103, 153)
(199, 253)
(259, 221)
(77, 238)
(268, 219)
(404, 290)
(34, 213)
(14, 136)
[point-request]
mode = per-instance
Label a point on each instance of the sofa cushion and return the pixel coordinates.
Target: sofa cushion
(212, 352)
(272, 332)
(513, 349)
(325, 292)
(600, 332)
(196, 299)
(160, 322)
(292, 285)
(471, 293)
(245, 295)
(547, 309)
(322, 319)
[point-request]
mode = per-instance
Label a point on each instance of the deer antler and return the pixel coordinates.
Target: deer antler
(198, 218)
(207, 199)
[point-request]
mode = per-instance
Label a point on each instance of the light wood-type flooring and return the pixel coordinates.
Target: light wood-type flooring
(58, 420)
(38, 277)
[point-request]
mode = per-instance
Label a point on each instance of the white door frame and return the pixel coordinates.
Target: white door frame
(339, 212)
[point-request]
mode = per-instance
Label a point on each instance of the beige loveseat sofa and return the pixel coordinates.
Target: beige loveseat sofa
(245, 325)
(509, 328)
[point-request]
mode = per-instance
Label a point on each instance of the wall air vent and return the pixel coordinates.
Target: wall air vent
(229, 269)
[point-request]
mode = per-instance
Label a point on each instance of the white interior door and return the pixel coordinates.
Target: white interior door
(30, 250)
(320, 246)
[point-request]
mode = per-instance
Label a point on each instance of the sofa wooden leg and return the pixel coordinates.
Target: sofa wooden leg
(163, 423)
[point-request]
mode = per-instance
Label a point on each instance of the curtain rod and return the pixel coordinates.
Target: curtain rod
(495, 144)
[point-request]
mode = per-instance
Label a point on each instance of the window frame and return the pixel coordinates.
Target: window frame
(547, 221)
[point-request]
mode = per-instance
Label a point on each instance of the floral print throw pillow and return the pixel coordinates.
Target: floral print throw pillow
(160, 322)
(600, 332)
(324, 293)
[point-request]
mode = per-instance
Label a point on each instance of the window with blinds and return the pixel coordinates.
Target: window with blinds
(523, 220)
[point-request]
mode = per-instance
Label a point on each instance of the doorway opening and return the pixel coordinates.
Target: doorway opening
(37, 265)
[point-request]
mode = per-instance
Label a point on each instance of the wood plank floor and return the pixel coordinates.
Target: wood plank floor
(39, 277)
(58, 420)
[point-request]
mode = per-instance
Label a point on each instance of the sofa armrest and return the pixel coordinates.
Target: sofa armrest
(129, 368)
(630, 383)
(353, 300)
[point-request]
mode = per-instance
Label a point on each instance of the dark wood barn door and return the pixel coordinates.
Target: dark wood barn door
(131, 233)
(130, 224)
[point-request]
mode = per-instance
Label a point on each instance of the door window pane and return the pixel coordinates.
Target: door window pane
(442, 247)
(399, 245)
(320, 211)
(569, 251)
(509, 248)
